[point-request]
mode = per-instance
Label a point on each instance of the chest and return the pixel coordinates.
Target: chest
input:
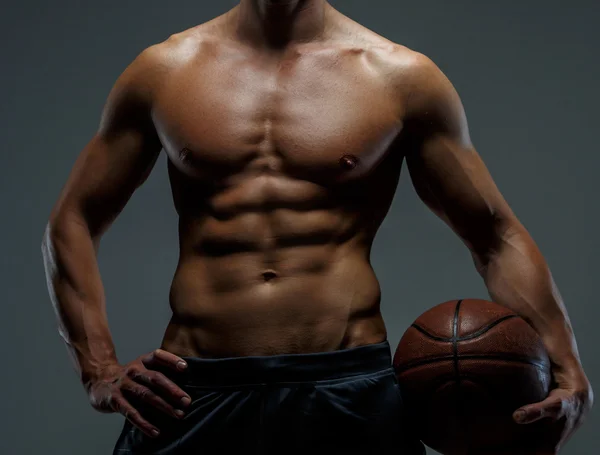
(329, 116)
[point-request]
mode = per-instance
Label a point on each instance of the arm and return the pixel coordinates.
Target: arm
(450, 177)
(112, 165)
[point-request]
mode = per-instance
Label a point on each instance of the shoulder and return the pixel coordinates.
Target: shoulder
(153, 65)
(411, 75)
(416, 78)
(427, 95)
(135, 90)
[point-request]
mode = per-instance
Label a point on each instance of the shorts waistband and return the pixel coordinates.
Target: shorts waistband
(312, 367)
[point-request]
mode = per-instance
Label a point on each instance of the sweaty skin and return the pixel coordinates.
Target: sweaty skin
(283, 157)
(278, 176)
(282, 165)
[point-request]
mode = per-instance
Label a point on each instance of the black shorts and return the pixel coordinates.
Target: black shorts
(341, 402)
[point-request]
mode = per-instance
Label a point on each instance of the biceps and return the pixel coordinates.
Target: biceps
(105, 175)
(453, 181)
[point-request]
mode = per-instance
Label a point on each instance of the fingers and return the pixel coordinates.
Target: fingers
(142, 383)
(156, 380)
(121, 405)
(553, 407)
(144, 394)
(159, 357)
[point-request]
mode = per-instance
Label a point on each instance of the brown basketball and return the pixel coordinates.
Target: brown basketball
(464, 367)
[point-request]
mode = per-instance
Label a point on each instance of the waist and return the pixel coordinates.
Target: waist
(202, 297)
(306, 312)
(285, 368)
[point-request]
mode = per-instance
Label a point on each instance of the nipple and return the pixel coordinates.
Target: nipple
(348, 162)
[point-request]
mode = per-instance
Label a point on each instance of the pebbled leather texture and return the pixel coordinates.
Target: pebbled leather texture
(464, 367)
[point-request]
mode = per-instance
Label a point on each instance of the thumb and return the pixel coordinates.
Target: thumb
(552, 407)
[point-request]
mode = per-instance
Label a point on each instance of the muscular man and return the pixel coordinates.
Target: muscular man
(285, 124)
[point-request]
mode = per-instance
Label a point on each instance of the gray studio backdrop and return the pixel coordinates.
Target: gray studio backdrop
(528, 74)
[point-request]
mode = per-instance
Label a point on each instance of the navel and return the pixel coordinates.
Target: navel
(269, 275)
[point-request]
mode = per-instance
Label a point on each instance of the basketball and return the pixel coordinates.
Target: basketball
(464, 367)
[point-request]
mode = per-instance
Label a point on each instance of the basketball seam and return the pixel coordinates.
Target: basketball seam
(472, 336)
(455, 340)
(506, 357)
(458, 404)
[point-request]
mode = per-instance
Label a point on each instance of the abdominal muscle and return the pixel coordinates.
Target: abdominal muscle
(274, 296)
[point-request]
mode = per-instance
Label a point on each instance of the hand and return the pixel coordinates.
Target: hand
(560, 414)
(108, 392)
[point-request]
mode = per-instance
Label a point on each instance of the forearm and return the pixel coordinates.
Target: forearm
(77, 295)
(517, 276)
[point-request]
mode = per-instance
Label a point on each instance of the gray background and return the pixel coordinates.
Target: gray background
(528, 74)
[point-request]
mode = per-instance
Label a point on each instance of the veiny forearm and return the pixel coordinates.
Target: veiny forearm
(517, 276)
(77, 294)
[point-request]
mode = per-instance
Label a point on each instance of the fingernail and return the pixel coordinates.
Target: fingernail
(185, 401)
(155, 433)
(181, 365)
(179, 413)
(520, 416)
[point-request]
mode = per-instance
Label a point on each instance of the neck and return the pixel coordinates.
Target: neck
(276, 23)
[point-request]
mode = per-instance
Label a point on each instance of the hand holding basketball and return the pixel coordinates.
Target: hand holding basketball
(557, 417)
(471, 369)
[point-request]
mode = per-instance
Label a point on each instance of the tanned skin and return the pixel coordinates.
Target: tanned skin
(286, 125)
